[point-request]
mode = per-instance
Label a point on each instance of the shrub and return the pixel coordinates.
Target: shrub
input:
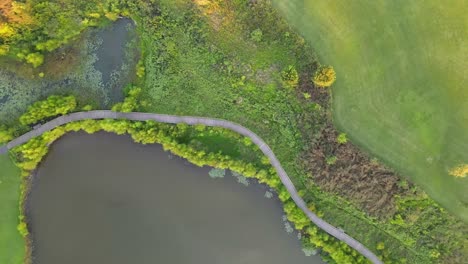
(54, 105)
(325, 76)
(290, 77)
(460, 171)
(380, 246)
(4, 49)
(331, 160)
(140, 69)
(36, 59)
(111, 16)
(131, 101)
(5, 134)
(342, 138)
(23, 229)
(256, 35)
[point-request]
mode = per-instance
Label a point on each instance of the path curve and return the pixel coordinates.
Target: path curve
(191, 120)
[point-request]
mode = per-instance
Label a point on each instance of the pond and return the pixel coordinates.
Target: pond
(104, 62)
(103, 199)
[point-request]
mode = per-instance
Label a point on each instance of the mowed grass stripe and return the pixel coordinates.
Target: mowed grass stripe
(402, 87)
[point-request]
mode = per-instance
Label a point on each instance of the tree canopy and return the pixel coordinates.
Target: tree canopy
(325, 76)
(461, 171)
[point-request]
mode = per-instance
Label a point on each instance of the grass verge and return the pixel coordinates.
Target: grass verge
(12, 245)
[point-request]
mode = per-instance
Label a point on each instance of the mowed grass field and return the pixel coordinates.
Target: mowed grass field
(402, 89)
(11, 243)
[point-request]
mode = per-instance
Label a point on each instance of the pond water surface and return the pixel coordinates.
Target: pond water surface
(103, 199)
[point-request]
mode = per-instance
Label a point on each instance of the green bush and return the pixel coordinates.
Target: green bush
(342, 138)
(131, 102)
(23, 229)
(6, 134)
(256, 35)
(51, 107)
(290, 77)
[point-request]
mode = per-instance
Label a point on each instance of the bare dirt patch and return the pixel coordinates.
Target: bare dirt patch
(345, 170)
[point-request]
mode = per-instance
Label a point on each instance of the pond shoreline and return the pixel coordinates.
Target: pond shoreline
(136, 116)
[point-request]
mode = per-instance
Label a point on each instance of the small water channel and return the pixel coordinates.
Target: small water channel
(103, 199)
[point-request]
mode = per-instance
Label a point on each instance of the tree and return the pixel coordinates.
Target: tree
(325, 76)
(461, 171)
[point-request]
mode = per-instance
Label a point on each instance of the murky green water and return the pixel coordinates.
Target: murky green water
(104, 199)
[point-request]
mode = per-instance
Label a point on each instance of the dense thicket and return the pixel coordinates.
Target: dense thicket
(54, 105)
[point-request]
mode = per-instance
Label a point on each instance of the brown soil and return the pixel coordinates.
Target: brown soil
(354, 176)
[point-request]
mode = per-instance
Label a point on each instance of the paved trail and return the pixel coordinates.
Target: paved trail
(191, 120)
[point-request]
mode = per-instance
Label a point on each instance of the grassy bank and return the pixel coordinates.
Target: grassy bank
(12, 245)
(402, 88)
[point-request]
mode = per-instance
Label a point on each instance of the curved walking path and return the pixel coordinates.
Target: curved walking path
(172, 119)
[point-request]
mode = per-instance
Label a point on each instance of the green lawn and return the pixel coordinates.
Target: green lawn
(11, 243)
(402, 89)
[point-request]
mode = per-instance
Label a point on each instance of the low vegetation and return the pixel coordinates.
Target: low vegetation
(6, 134)
(238, 60)
(53, 106)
